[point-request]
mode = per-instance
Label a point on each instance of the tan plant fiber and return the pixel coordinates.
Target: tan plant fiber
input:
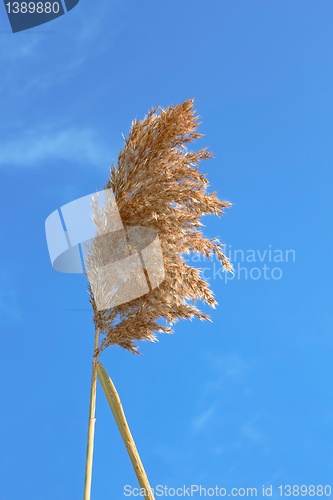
(157, 184)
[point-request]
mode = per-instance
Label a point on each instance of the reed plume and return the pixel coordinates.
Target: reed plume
(156, 186)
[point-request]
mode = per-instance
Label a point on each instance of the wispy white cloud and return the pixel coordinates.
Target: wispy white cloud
(73, 144)
(234, 367)
(14, 47)
(45, 43)
(251, 431)
(171, 454)
(200, 422)
(225, 369)
(228, 365)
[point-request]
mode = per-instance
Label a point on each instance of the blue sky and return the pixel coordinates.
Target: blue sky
(246, 400)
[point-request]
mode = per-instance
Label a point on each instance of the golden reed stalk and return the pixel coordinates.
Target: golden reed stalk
(118, 413)
(91, 425)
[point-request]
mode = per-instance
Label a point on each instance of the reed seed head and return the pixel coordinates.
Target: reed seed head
(157, 184)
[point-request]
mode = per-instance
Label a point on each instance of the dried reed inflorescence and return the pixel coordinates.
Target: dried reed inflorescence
(157, 184)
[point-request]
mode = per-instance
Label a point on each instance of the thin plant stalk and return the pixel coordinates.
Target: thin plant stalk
(118, 413)
(91, 425)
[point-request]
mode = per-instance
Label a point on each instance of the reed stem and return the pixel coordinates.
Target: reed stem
(91, 425)
(118, 413)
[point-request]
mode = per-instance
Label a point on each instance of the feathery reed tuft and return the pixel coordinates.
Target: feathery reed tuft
(157, 184)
